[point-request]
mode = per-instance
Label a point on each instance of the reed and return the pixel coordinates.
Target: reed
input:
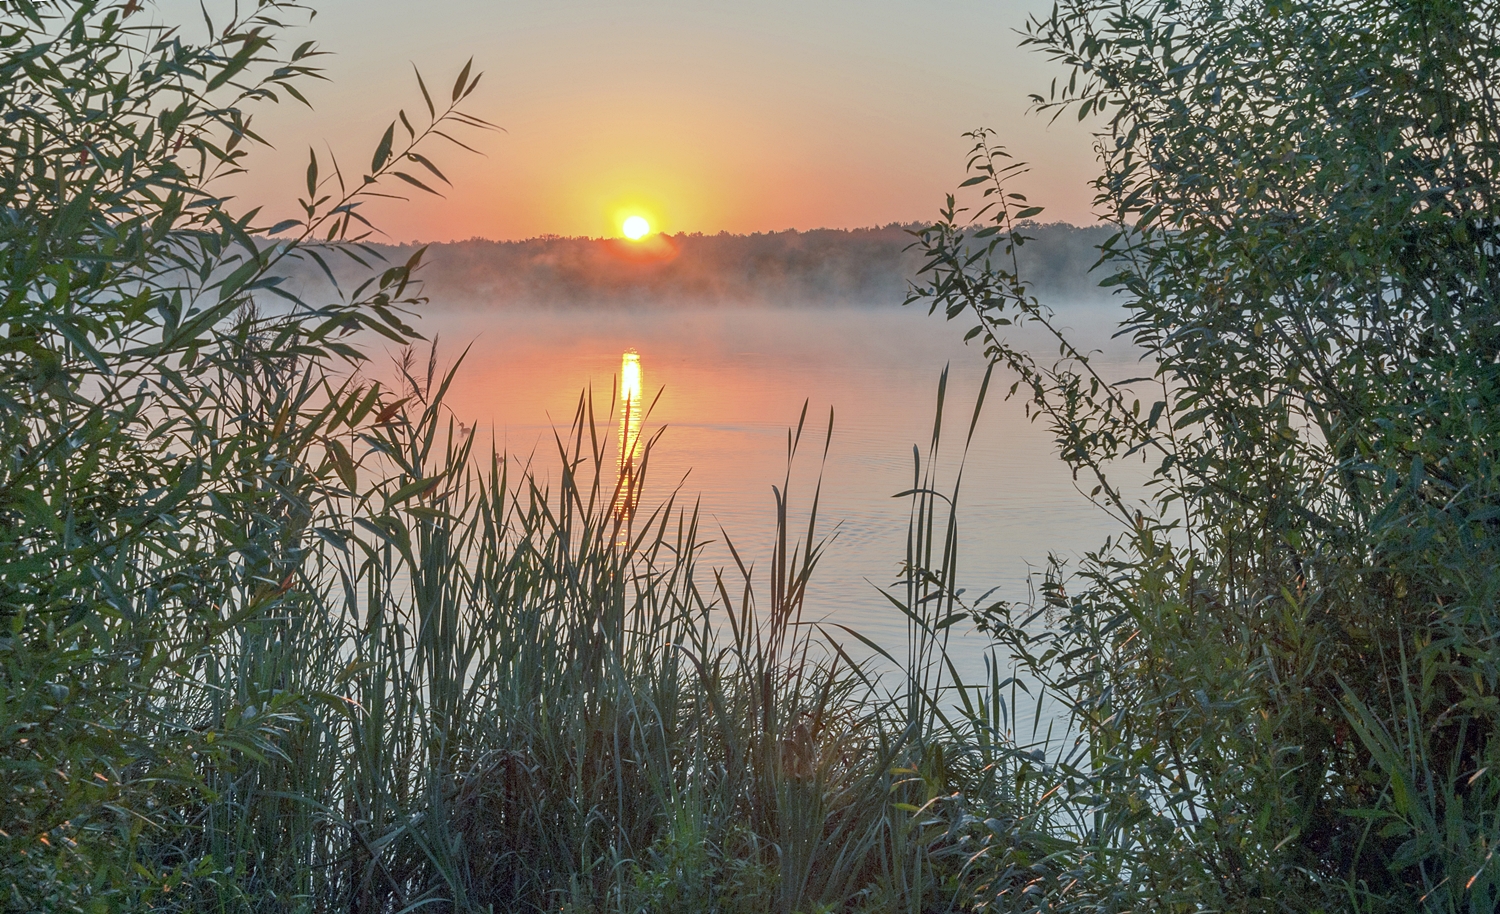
(278, 639)
(482, 687)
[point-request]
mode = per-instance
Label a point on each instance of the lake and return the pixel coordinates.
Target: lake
(728, 382)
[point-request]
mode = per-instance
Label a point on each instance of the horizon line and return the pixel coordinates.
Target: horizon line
(722, 233)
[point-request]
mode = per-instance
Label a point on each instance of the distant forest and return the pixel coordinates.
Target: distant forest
(821, 267)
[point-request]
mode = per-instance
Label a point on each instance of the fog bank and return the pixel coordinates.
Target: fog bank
(858, 267)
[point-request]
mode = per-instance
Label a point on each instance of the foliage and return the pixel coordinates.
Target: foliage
(278, 638)
(1285, 669)
(166, 443)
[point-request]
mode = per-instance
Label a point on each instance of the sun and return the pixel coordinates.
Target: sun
(636, 228)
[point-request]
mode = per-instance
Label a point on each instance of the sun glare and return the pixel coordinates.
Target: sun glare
(636, 228)
(630, 380)
(630, 433)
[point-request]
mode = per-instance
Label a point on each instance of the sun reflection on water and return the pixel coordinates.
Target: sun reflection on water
(630, 433)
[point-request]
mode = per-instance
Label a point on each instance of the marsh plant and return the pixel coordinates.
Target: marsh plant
(276, 637)
(280, 638)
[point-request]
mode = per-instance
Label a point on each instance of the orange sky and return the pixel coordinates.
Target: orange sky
(709, 117)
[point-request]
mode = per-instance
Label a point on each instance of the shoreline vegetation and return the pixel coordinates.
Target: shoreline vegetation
(862, 267)
(277, 639)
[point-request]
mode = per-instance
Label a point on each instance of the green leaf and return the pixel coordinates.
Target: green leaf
(312, 174)
(413, 181)
(416, 156)
(343, 464)
(383, 151)
(426, 97)
(414, 488)
(463, 79)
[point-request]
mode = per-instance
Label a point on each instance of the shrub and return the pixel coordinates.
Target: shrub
(280, 639)
(165, 442)
(1284, 669)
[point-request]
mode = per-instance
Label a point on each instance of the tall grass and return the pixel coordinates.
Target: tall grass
(484, 688)
(276, 639)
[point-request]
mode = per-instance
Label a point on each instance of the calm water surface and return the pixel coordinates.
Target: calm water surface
(729, 383)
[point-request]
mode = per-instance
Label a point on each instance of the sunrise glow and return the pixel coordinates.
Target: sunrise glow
(636, 228)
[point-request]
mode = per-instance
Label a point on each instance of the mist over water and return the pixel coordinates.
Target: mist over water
(709, 346)
(723, 387)
(858, 268)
